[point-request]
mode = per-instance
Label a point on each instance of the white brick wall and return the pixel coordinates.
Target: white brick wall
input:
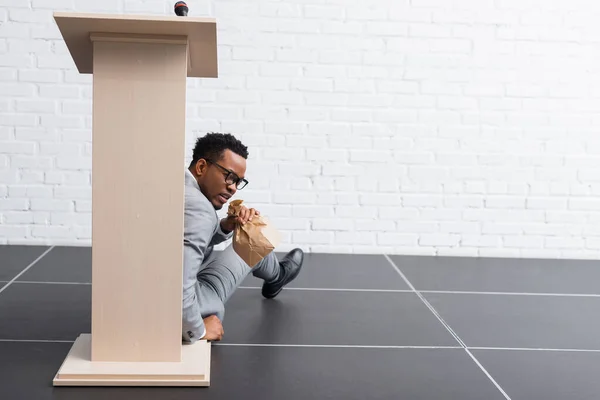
(417, 127)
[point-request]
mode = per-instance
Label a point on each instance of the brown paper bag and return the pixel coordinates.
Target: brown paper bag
(255, 239)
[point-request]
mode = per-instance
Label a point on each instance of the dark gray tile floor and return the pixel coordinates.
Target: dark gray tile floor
(558, 322)
(13, 259)
(501, 274)
(348, 328)
(333, 318)
(62, 264)
(330, 271)
(38, 311)
(543, 375)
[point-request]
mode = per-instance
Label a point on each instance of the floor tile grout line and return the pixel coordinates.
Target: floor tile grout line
(335, 346)
(476, 348)
(34, 341)
(270, 345)
(487, 374)
(51, 283)
(427, 304)
(337, 289)
(3, 288)
(541, 294)
(447, 326)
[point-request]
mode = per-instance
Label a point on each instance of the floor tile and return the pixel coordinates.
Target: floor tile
(46, 312)
(74, 264)
(27, 369)
(501, 274)
(347, 271)
(543, 375)
(271, 374)
(325, 318)
(62, 264)
(15, 258)
(326, 373)
(521, 321)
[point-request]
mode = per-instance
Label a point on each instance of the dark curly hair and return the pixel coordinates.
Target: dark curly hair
(213, 144)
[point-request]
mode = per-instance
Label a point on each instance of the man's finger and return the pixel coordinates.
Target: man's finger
(241, 216)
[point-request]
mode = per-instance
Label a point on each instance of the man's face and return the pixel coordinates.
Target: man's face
(211, 176)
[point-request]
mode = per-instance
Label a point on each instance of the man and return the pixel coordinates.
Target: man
(216, 172)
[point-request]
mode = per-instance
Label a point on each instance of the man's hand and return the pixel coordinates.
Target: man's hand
(246, 214)
(214, 329)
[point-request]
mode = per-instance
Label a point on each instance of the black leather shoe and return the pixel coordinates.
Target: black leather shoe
(290, 268)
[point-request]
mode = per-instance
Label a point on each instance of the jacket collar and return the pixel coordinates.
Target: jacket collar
(190, 180)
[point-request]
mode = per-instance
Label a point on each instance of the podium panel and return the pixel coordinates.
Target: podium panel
(137, 198)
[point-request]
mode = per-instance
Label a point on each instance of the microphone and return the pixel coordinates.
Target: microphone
(181, 9)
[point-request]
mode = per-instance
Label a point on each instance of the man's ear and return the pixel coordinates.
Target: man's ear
(200, 167)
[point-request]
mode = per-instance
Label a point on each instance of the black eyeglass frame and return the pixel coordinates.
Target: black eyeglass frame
(231, 177)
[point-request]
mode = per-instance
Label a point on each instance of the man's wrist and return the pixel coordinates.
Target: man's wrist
(224, 227)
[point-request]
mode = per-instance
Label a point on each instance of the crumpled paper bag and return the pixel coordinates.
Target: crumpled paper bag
(255, 239)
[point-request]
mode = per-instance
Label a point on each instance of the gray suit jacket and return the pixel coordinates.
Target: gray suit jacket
(202, 231)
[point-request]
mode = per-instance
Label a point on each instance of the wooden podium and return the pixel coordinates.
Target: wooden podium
(139, 66)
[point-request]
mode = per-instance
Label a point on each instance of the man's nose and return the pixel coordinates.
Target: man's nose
(232, 188)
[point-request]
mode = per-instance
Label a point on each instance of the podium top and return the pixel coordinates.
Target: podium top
(201, 33)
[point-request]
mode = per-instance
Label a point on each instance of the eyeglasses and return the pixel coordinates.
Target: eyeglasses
(231, 177)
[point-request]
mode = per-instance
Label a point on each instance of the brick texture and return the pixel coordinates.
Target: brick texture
(415, 127)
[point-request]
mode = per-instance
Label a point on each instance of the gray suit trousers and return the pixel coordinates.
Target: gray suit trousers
(221, 275)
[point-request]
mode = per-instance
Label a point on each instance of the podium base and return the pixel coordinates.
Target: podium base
(79, 370)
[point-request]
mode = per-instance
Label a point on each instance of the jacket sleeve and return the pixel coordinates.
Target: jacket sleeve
(220, 236)
(199, 225)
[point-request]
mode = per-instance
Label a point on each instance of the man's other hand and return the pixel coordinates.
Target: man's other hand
(214, 328)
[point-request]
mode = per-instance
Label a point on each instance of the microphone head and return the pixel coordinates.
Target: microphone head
(181, 9)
